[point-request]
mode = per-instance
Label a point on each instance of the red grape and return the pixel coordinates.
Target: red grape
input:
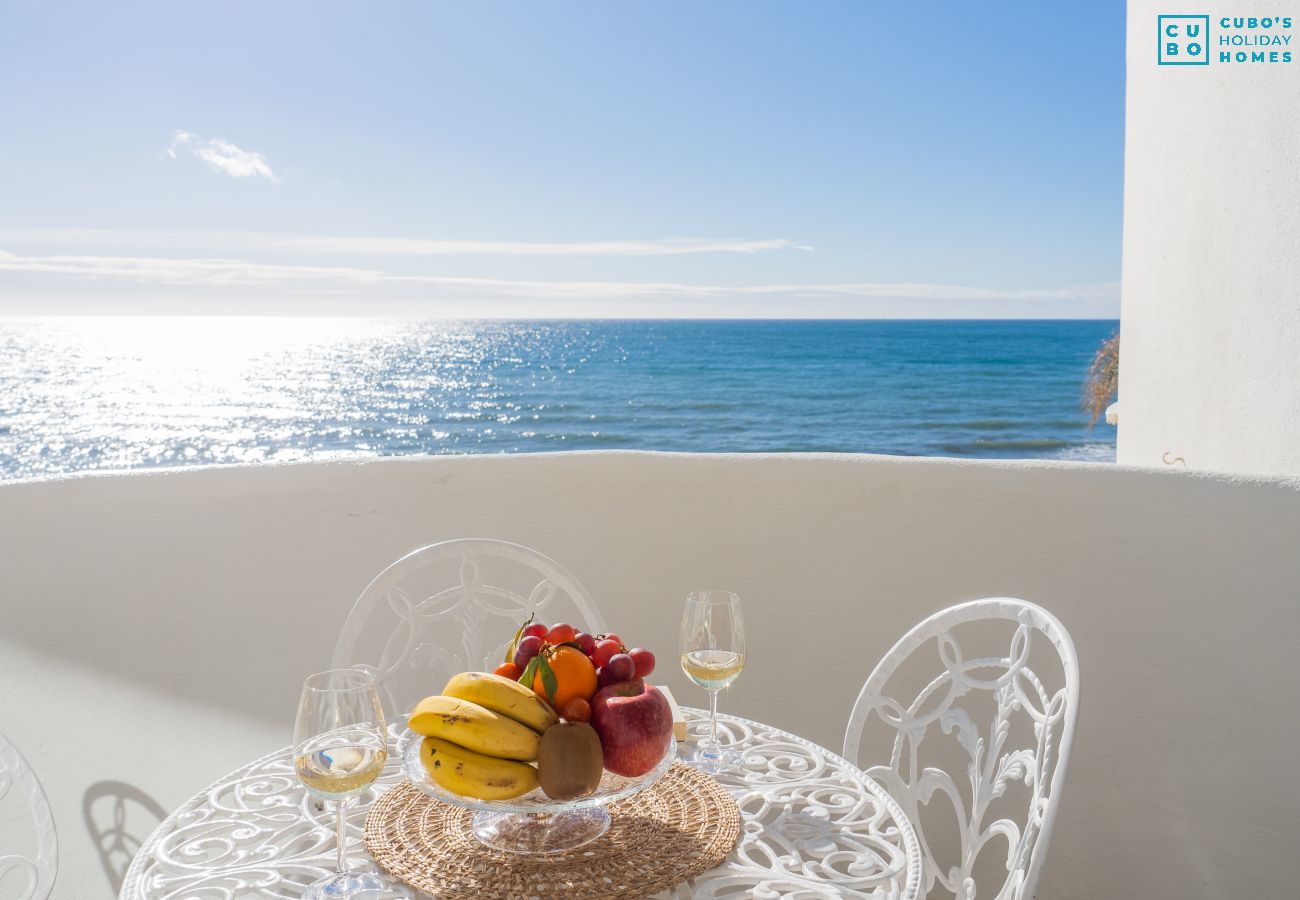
(586, 642)
(537, 629)
(526, 650)
(603, 678)
(577, 710)
(604, 650)
(616, 639)
(621, 667)
(561, 633)
(644, 660)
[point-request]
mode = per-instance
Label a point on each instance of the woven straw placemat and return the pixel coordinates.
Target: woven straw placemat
(684, 824)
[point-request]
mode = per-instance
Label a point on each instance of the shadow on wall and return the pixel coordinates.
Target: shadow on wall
(176, 577)
(120, 818)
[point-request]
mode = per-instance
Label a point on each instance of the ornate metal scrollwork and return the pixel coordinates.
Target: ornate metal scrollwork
(32, 877)
(996, 760)
(814, 827)
(453, 607)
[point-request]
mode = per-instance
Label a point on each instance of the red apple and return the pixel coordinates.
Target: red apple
(635, 726)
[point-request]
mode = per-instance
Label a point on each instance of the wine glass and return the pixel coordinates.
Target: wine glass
(339, 748)
(713, 655)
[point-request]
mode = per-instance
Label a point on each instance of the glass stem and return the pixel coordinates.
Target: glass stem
(340, 807)
(713, 720)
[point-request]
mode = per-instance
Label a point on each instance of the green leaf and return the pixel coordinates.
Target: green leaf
(519, 635)
(530, 672)
(548, 680)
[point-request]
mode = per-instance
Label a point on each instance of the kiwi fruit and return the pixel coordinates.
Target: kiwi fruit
(569, 761)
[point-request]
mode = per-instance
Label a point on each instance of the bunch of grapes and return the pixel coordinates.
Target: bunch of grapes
(614, 662)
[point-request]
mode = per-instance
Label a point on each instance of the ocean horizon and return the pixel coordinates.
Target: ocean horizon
(81, 394)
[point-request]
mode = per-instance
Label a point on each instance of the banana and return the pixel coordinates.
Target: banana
(469, 774)
(474, 728)
(501, 695)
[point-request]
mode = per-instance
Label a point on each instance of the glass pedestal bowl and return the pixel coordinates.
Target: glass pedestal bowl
(534, 823)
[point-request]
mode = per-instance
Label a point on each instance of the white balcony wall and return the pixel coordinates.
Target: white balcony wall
(156, 626)
(1210, 363)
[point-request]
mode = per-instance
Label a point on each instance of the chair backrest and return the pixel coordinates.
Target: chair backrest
(22, 876)
(454, 607)
(993, 717)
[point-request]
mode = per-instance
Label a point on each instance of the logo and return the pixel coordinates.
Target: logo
(1183, 40)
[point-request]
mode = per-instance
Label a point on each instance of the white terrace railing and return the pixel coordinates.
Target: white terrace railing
(156, 627)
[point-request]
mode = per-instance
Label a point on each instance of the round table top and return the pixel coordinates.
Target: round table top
(814, 825)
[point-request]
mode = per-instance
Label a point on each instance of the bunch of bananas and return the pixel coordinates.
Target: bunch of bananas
(480, 735)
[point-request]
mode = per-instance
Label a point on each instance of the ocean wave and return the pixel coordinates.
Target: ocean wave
(1091, 452)
(1030, 444)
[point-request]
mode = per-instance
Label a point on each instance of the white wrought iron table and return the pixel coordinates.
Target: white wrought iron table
(813, 826)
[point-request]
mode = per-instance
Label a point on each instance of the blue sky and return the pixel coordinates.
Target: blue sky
(562, 159)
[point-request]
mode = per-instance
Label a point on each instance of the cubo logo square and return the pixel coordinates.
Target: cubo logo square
(1183, 40)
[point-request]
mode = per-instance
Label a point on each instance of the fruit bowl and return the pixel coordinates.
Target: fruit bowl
(534, 823)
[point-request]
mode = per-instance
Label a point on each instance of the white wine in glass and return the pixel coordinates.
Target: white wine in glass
(340, 745)
(337, 769)
(713, 669)
(713, 656)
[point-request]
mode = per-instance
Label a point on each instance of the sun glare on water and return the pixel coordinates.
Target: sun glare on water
(162, 391)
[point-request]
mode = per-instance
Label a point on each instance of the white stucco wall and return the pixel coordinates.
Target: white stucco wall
(154, 627)
(1210, 362)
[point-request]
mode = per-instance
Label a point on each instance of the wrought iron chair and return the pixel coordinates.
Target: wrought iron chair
(454, 607)
(21, 876)
(992, 716)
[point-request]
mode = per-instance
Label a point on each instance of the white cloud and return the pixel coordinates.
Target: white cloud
(235, 272)
(381, 246)
(225, 242)
(222, 156)
(179, 139)
(226, 157)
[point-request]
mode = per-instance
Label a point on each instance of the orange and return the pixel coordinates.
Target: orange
(575, 676)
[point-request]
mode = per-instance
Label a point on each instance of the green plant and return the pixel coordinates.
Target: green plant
(1101, 387)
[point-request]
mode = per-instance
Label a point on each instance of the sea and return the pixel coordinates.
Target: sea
(111, 393)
